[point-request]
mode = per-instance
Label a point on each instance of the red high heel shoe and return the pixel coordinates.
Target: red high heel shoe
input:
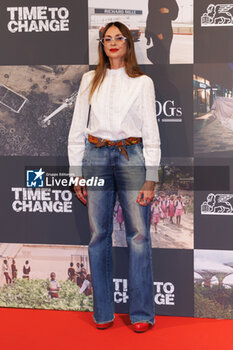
(141, 327)
(104, 325)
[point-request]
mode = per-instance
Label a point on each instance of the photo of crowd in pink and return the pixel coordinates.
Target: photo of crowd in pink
(171, 212)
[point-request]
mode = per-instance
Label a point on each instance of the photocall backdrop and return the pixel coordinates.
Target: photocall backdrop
(185, 46)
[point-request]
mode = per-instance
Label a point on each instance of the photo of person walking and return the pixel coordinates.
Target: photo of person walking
(159, 29)
(5, 270)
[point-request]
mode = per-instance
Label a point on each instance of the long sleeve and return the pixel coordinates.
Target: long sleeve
(129, 110)
(156, 20)
(150, 131)
(152, 17)
(76, 139)
(174, 10)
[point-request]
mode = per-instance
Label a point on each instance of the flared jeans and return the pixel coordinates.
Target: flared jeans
(124, 177)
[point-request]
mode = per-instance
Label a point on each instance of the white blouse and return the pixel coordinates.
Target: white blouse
(122, 107)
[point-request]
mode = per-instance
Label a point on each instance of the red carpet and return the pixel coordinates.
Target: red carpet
(38, 329)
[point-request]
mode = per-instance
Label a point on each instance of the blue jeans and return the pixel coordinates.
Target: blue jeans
(126, 178)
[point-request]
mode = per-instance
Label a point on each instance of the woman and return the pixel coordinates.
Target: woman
(155, 213)
(122, 113)
(171, 208)
(6, 271)
(180, 208)
(119, 216)
(161, 13)
(13, 270)
(26, 270)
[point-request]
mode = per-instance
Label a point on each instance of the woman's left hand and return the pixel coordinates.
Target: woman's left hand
(146, 194)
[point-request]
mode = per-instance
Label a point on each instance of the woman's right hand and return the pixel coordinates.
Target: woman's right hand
(160, 36)
(80, 192)
(164, 10)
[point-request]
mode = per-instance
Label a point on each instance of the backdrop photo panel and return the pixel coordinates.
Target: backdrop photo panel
(213, 206)
(213, 280)
(43, 32)
(213, 109)
(162, 30)
(213, 27)
(171, 211)
(50, 214)
(173, 281)
(36, 108)
(51, 277)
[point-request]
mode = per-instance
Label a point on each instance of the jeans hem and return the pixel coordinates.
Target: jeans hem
(103, 321)
(143, 321)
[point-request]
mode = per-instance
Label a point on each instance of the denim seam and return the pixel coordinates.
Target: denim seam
(150, 255)
(109, 247)
(107, 264)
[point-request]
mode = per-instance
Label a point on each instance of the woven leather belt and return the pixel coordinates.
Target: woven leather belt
(119, 144)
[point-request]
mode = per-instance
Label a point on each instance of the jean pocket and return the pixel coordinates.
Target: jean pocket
(137, 157)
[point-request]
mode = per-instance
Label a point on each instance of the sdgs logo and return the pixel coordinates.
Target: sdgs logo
(35, 178)
(168, 112)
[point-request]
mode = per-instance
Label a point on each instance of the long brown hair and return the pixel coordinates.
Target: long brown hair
(130, 60)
